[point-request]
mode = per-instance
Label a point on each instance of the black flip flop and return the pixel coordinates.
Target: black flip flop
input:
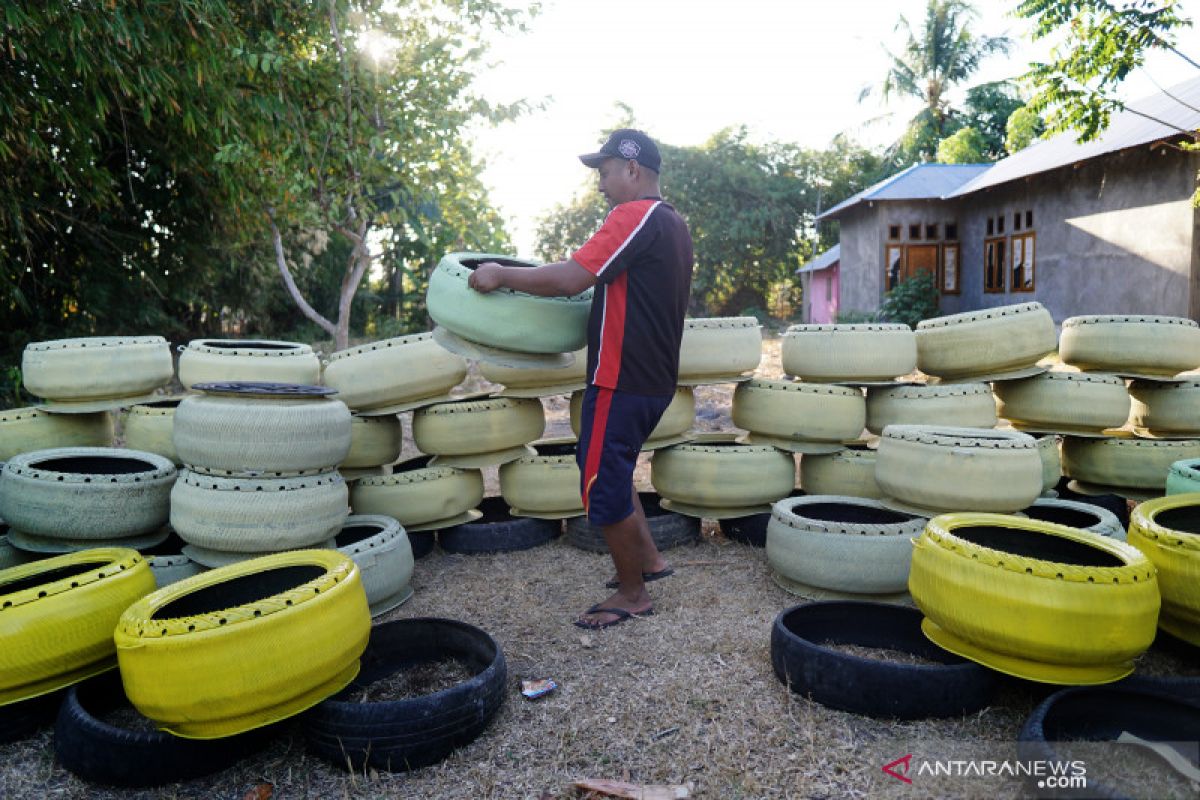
(647, 577)
(620, 613)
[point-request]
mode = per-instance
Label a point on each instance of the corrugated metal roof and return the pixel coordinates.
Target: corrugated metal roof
(1127, 129)
(918, 182)
(824, 261)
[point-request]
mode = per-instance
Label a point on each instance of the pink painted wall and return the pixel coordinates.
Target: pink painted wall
(824, 285)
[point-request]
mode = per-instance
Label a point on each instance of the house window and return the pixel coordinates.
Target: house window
(1000, 224)
(914, 231)
(895, 262)
(994, 264)
(931, 231)
(1016, 220)
(991, 228)
(1022, 262)
(893, 231)
(952, 231)
(950, 274)
(1028, 219)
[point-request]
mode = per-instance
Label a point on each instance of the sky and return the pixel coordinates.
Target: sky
(789, 70)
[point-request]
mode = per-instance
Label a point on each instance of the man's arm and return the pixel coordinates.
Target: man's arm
(560, 279)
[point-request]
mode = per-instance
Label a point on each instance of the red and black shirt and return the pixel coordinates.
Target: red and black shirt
(642, 259)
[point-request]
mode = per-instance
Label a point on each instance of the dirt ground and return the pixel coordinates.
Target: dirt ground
(684, 697)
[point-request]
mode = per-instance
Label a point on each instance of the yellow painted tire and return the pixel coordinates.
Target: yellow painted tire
(187, 651)
(24, 430)
(543, 484)
(1048, 445)
(1147, 345)
(676, 421)
(1124, 461)
(993, 340)
(848, 352)
(538, 382)
(374, 441)
(247, 437)
(719, 347)
(962, 405)
(1165, 409)
(416, 494)
(258, 515)
(848, 473)
(218, 360)
(96, 368)
(938, 469)
(379, 546)
(1032, 599)
(1167, 530)
(1061, 401)
(715, 472)
(803, 412)
(150, 427)
(57, 617)
(390, 372)
(473, 427)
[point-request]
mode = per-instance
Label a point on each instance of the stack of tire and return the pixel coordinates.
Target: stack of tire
(83, 376)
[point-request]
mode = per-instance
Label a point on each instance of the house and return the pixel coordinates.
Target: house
(819, 280)
(1102, 227)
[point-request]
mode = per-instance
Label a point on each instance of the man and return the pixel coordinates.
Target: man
(642, 259)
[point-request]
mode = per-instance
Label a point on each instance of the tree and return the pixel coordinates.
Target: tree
(986, 109)
(964, 146)
(1024, 126)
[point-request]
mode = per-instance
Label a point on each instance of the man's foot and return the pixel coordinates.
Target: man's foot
(647, 577)
(614, 611)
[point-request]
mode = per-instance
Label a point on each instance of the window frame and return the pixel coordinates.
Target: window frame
(887, 265)
(945, 286)
(1002, 259)
(1028, 246)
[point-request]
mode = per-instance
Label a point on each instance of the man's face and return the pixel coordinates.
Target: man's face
(618, 181)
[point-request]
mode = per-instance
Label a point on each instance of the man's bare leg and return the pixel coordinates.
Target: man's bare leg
(628, 554)
(652, 560)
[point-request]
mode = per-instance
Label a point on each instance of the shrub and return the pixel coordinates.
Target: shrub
(912, 300)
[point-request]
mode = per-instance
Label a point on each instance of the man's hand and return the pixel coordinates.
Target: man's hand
(486, 277)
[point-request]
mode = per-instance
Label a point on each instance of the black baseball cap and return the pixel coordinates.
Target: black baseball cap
(629, 144)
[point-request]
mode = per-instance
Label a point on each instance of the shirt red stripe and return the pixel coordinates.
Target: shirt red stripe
(591, 466)
(619, 228)
(612, 333)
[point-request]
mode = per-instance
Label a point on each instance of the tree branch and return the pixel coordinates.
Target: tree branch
(290, 283)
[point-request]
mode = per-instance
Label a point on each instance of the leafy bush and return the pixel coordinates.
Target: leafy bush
(913, 299)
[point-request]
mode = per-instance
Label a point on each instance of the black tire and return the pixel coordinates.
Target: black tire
(667, 528)
(1113, 502)
(751, 529)
(402, 735)
(497, 531)
(875, 688)
(99, 752)
(1099, 714)
(23, 718)
(422, 543)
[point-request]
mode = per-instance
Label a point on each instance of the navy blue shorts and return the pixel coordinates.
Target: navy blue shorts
(613, 427)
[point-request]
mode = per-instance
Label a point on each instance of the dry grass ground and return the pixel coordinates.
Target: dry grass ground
(684, 697)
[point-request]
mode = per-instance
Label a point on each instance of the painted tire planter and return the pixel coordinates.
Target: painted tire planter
(716, 349)
(667, 529)
(849, 473)
(248, 437)
(1032, 599)
(221, 360)
(420, 496)
(1184, 476)
(168, 561)
(258, 515)
(792, 415)
(992, 342)
(537, 382)
(1073, 514)
(545, 484)
(1064, 402)
(150, 427)
(1130, 345)
(58, 616)
(1124, 462)
(11, 556)
(394, 374)
(1165, 410)
(478, 433)
(380, 548)
(1167, 530)
(505, 319)
(497, 530)
(87, 495)
(845, 545)
(75, 374)
(962, 405)
(24, 430)
(829, 353)
(934, 469)
(1047, 444)
(717, 477)
(182, 649)
(674, 427)
(374, 441)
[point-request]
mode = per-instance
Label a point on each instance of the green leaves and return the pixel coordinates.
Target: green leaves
(912, 300)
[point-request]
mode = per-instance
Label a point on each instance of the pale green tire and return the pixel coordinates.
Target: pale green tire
(12, 556)
(1165, 409)
(416, 494)
(1084, 516)
(935, 469)
(258, 515)
(24, 430)
(380, 548)
(1184, 476)
(802, 412)
(848, 473)
(170, 569)
(478, 427)
(716, 472)
(719, 347)
(962, 405)
(1166, 530)
(57, 618)
(546, 483)
(675, 422)
(505, 319)
(1124, 461)
(538, 382)
(391, 372)
(848, 352)
(86, 494)
(1138, 345)
(985, 342)
(247, 437)
(374, 441)
(848, 545)
(96, 368)
(150, 427)
(223, 360)
(1064, 402)
(1048, 450)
